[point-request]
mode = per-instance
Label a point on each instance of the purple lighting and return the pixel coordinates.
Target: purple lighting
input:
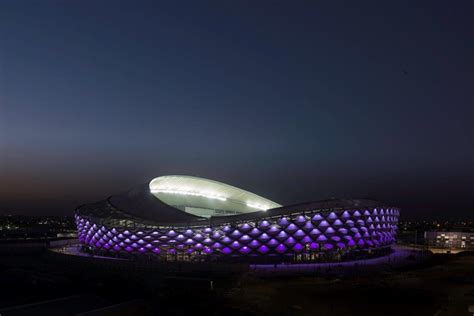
(300, 220)
(308, 226)
(245, 227)
(281, 248)
(290, 241)
(298, 247)
(245, 250)
(236, 234)
(328, 246)
(282, 235)
(323, 224)
(254, 244)
(274, 230)
(254, 232)
(226, 250)
(291, 228)
(332, 215)
(299, 233)
(283, 221)
(311, 232)
(315, 232)
(264, 237)
(273, 243)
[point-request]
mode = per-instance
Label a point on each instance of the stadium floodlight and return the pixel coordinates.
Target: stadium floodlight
(209, 196)
(257, 206)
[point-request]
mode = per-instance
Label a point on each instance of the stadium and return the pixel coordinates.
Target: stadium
(185, 218)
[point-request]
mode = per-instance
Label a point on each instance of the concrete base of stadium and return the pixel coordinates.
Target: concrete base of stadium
(395, 257)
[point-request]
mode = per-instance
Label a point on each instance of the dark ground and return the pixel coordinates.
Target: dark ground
(445, 287)
(442, 286)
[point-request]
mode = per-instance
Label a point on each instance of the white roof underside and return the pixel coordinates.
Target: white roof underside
(198, 195)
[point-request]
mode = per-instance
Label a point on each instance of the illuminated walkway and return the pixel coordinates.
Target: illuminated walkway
(75, 250)
(400, 257)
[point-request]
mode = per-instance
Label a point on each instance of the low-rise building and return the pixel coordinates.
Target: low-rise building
(450, 242)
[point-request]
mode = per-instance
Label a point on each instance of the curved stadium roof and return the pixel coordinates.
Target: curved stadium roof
(187, 200)
(204, 197)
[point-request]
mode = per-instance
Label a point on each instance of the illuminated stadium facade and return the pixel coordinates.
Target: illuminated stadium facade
(194, 219)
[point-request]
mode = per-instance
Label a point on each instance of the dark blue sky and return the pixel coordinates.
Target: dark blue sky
(296, 101)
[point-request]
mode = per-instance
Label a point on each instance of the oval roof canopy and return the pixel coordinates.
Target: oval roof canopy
(204, 197)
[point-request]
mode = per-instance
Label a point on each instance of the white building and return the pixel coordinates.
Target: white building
(450, 242)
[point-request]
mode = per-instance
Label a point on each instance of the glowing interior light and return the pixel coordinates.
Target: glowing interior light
(209, 196)
(258, 206)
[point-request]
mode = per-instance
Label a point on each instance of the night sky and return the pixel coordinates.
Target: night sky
(293, 100)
